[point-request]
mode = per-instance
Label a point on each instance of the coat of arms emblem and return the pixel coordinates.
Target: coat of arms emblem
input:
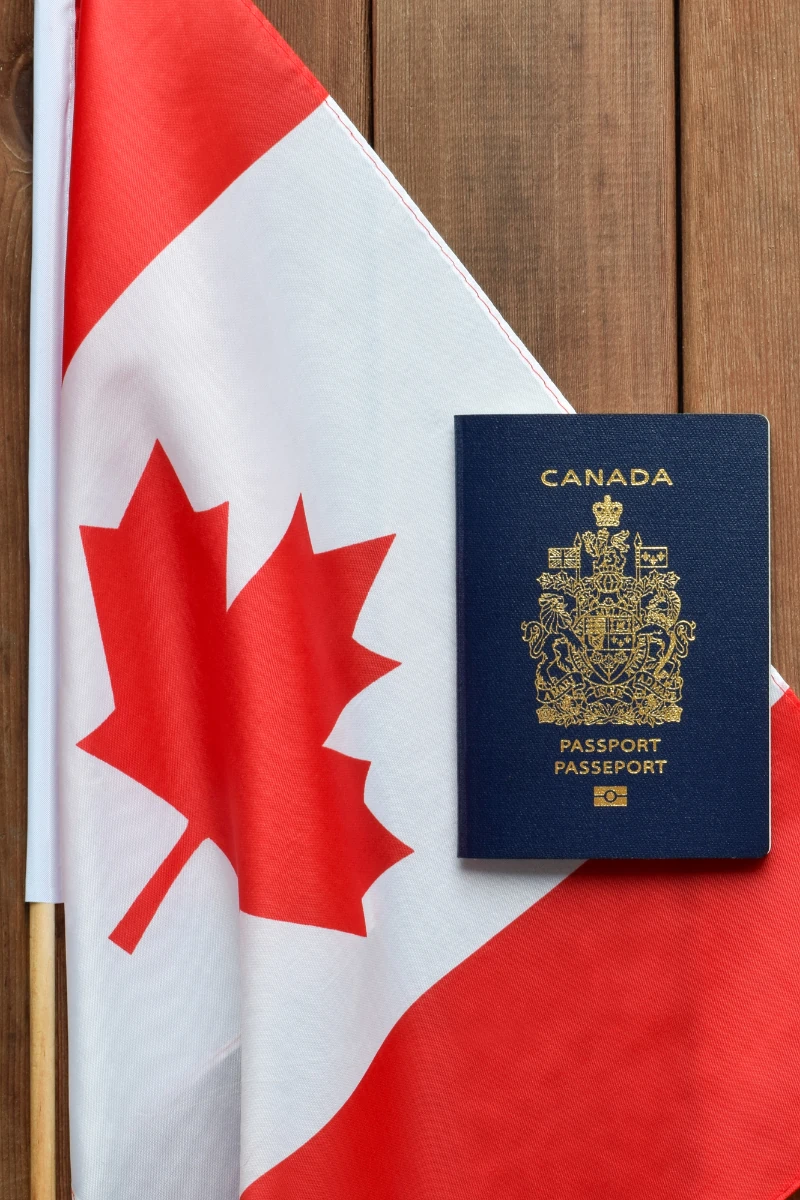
(608, 645)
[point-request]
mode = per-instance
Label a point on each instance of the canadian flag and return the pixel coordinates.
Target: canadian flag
(282, 981)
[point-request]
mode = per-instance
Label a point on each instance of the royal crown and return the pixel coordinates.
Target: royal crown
(607, 513)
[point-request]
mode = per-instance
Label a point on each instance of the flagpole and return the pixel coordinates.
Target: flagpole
(42, 966)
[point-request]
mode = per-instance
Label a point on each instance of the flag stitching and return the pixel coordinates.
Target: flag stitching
(786, 1193)
(780, 684)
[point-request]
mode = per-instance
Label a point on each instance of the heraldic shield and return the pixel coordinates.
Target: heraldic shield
(608, 645)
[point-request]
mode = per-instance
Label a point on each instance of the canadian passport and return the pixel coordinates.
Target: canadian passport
(613, 636)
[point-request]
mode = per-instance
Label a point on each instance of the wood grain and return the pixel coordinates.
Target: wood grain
(538, 136)
(63, 1177)
(16, 23)
(42, 1014)
(740, 138)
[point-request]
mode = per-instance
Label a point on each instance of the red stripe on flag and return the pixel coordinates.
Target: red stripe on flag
(173, 101)
(634, 1034)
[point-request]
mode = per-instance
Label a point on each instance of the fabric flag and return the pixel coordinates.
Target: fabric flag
(282, 982)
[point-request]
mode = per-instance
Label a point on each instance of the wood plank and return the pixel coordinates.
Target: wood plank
(538, 136)
(333, 39)
(740, 135)
(16, 29)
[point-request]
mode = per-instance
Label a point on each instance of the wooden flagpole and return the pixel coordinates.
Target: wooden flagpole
(42, 966)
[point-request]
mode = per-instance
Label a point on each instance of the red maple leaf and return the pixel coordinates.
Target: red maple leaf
(223, 712)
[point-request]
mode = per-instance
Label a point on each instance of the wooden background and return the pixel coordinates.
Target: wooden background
(621, 177)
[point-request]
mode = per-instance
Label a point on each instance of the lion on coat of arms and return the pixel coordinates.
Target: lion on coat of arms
(608, 646)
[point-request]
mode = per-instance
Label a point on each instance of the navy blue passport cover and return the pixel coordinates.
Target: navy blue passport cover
(613, 636)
